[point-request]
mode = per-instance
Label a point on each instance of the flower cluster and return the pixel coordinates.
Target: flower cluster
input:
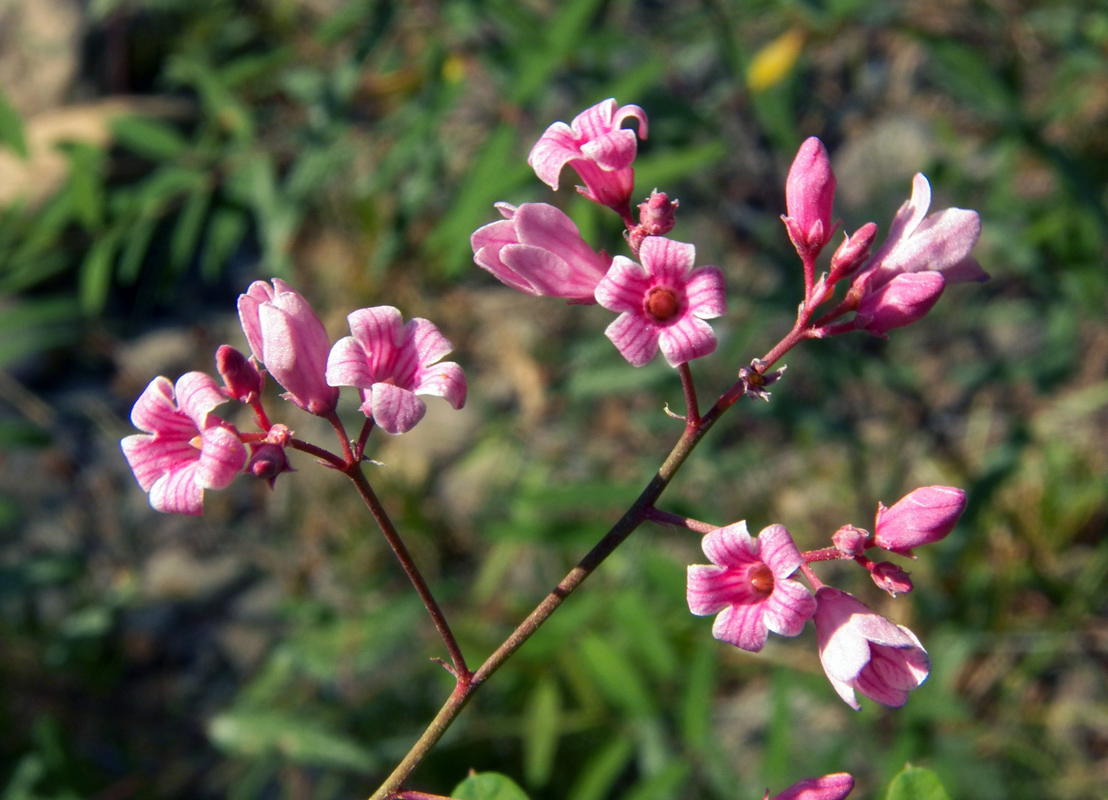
(749, 587)
(663, 302)
(187, 449)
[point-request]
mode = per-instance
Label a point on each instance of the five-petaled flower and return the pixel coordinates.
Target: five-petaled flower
(598, 149)
(664, 303)
(861, 650)
(748, 586)
(391, 362)
(539, 251)
(186, 449)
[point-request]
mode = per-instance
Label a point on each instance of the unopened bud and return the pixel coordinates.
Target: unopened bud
(902, 301)
(267, 461)
(241, 378)
(921, 517)
(658, 214)
(850, 541)
(853, 252)
(809, 195)
(891, 578)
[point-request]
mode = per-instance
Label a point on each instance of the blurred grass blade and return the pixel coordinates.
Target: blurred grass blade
(541, 731)
(226, 229)
(11, 128)
(600, 773)
(300, 740)
(150, 138)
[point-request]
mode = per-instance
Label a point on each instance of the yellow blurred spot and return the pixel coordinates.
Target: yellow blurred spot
(453, 69)
(773, 62)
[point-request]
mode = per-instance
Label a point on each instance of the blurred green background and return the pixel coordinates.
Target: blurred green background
(158, 155)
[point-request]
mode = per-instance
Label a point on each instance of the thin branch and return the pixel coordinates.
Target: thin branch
(357, 477)
(693, 409)
(666, 518)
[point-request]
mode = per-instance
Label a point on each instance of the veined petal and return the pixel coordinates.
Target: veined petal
(445, 380)
(554, 148)
(712, 588)
(155, 411)
(378, 330)
(197, 394)
(777, 549)
(595, 120)
(634, 337)
(429, 344)
(743, 626)
(222, 457)
(939, 242)
(612, 151)
(630, 110)
(395, 410)
(688, 338)
(348, 364)
(705, 292)
(788, 608)
(730, 546)
(547, 273)
(177, 492)
(153, 456)
(666, 261)
(624, 287)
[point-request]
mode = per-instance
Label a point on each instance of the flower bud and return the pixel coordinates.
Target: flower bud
(267, 461)
(287, 337)
(921, 517)
(901, 301)
(853, 252)
(850, 541)
(809, 195)
(891, 578)
(829, 787)
(241, 379)
(658, 214)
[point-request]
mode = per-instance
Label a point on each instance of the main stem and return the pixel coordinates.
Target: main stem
(464, 689)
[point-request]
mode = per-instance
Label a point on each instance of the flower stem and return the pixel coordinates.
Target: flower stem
(692, 418)
(666, 518)
(619, 532)
(358, 478)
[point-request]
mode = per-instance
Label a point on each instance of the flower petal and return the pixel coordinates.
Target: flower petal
(348, 365)
(688, 338)
(743, 626)
(730, 546)
(624, 287)
(177, 492)
(634, 337)
(777, 549)
(554, 148)
(222, 457)
(612, 151)
(704, 290)
(788, 608)
(395, 410)
(666, 261)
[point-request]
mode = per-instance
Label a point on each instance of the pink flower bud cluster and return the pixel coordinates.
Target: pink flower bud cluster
(749, 587)
(186, 449)
(906, 276)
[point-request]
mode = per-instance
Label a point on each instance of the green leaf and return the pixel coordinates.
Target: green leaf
(298, 739)
(916, 783)
(11, 128)
(618, 677)
(149, 138)
(488, 786)
(136, 242)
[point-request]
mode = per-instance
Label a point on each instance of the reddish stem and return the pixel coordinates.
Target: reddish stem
(692, 419)
(666, 518)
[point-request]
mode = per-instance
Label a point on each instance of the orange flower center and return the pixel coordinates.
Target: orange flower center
(761, 579)
(662, 303)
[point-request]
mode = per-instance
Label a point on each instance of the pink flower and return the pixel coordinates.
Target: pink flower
(287, 337)
(809, 195)
(598, 149)
(829, 787)
(664, 303)
(861, 650)
(538, 250)
(939, 243)
(391, 362)
(903, 300)
(748, 586)
(186, 449)
(921, 517)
